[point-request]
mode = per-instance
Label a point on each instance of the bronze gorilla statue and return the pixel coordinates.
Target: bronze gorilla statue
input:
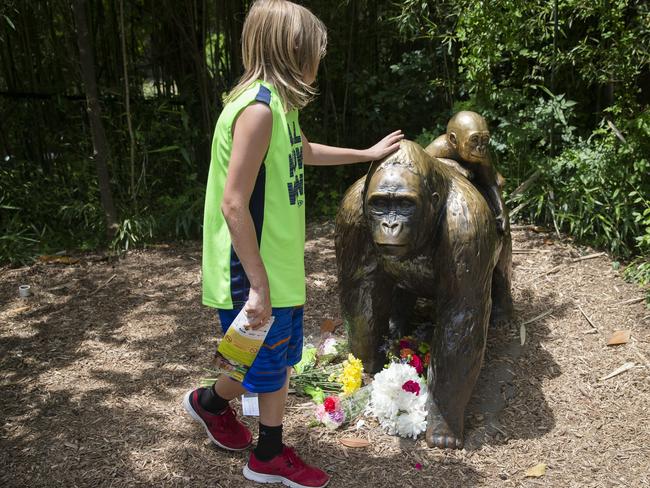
(416, 228)
(465, 148)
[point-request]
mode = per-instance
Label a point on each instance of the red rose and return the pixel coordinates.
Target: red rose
(416, 362)
(412, 387)
(329, 404)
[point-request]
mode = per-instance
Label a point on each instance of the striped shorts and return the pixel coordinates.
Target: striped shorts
(282, 348)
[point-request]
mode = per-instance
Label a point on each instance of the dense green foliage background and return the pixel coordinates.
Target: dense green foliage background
(564, 85)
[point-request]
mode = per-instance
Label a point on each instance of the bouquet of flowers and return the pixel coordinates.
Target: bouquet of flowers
(315, 379)
(350, 375)
(411, 351)
(334, 387)
(399, 400)
(339, 409)
(335, 410)
(330, 413)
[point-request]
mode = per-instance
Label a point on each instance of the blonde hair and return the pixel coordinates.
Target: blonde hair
(282, 43)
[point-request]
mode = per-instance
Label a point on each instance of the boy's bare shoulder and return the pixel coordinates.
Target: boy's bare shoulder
(254, 118)
(258, 109)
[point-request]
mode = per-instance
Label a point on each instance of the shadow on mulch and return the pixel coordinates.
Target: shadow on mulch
(508, 401)
(79, 428)
(88, 427)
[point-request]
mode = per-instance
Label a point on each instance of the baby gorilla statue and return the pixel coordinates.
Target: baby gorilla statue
(465, 148)
(414, 228)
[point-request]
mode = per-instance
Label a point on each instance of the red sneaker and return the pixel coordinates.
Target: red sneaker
(285, 468)
(223, 429)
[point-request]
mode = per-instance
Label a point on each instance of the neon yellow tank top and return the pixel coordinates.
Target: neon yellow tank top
(277, 206)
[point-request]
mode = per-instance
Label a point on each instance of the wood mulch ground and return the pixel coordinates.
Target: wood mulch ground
(94, 365)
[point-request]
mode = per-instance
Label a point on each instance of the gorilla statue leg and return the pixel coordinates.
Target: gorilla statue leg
(366, 308)
(463, 307)
(458, 345)
(502, 307)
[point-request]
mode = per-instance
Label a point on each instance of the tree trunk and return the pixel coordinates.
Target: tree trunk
(127, 103)
(100, 143)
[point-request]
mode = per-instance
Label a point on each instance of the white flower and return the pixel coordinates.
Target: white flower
(328, 346)
(411, 424)
(398, 411)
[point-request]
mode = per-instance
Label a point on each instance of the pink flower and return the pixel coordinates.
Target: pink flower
(320, 412)
(412, 387)
(416, 362)
(418, 466)
(406, 343)
(329, 404)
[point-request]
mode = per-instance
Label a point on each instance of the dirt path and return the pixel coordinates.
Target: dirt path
(94, 365)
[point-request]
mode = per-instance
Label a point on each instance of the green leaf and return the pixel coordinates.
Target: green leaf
(316, 393)
(11, 24)
(164, 149)
(308, 359)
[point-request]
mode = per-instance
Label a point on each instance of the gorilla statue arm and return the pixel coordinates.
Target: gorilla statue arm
(365, 290)
(467, 256)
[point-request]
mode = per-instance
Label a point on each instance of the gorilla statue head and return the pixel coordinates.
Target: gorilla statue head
(400, 203)
(468, 133)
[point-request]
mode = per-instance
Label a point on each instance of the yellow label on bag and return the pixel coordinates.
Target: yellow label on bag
(239, 347)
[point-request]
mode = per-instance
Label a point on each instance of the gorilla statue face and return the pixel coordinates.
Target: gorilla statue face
(394, 209)
(468, 133)
(473, 145)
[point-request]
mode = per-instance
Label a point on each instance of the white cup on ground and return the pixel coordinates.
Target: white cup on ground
(24, 291)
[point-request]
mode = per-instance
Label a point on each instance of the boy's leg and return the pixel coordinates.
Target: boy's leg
(272, 406)
(217, 398)
(226, 389)
(211, 406)
(271, 461)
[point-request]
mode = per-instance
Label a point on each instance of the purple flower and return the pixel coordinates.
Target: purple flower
(337, 416)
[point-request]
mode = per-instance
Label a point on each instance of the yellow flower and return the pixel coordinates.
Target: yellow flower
(350, 377)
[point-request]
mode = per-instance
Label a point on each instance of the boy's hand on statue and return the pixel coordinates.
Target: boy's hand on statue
(258, 307)
(386, 146)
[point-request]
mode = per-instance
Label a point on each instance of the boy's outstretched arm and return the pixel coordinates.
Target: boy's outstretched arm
(321, 155)
(250, 141)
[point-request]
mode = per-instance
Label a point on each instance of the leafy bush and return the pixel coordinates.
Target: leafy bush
(17, 243)
(133, 231)
(565, 101)
(43, 213)
(181, 216)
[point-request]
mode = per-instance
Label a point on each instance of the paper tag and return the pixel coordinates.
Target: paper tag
(250, 405)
